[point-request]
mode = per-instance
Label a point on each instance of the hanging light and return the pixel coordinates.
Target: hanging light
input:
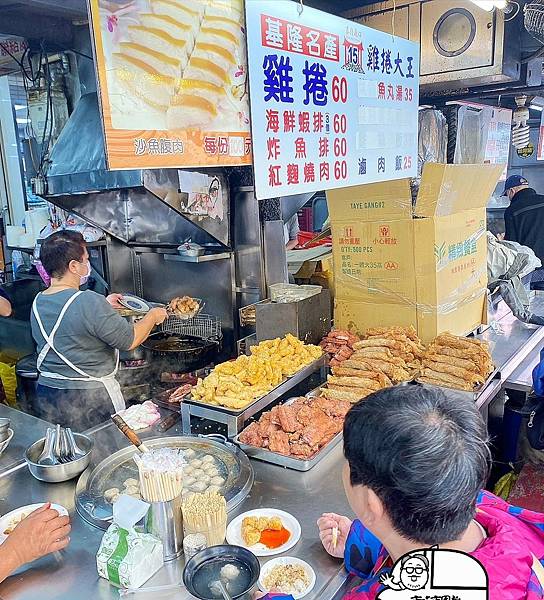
(520, 128)
(490, 5)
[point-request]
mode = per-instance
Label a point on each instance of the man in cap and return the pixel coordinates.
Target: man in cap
(524, 218)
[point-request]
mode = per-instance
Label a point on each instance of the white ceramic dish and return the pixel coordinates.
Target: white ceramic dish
(234, 531)
(15, 516)
(288, 560)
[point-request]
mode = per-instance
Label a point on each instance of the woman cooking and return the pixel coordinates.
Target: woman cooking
(78, 336)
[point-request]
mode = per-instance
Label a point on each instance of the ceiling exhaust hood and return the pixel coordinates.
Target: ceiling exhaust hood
(138, 207)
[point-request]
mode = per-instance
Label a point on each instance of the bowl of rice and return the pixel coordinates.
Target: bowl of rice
(288, 575)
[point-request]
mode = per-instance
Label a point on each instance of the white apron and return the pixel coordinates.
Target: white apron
(108, 381)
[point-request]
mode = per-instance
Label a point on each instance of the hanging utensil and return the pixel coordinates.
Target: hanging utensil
(129, 433)
(47, 457)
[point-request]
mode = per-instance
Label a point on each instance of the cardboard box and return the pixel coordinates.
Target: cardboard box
(426, 268)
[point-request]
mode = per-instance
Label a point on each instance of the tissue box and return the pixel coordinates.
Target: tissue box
(128, 558)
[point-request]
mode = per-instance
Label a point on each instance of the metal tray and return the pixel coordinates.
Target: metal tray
(289, 462)
(297, 464)
(274, 394)
(120, 466)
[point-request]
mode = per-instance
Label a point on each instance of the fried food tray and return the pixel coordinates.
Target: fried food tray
(260, 403)
(290, 462)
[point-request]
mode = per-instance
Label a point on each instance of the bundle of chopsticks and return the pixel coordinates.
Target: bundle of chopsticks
(161, 474)
(338, 344)
(456, 362)
(386, 356)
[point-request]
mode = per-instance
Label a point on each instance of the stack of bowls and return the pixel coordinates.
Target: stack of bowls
(5, 434)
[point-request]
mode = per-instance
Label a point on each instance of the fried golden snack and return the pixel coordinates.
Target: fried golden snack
(378, 376)
(436, 382)
(357, 382)
(275, 524)
(351, 396)
(380, 342)
(468, 376)
(446, 378)
(396, 374)
(383, 356)
(452, 360)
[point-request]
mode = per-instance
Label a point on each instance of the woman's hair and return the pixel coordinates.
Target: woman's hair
(425, 456)
(59, 249)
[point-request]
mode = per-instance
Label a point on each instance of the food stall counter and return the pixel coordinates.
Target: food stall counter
(72, 573)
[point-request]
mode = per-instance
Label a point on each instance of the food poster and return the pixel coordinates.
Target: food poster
(173, 82)
(333, 103)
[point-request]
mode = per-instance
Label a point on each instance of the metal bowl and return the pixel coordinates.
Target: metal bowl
(190, 250)
(234, 554)
(60, 472)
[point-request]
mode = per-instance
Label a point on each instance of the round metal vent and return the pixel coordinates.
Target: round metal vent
(454, 32)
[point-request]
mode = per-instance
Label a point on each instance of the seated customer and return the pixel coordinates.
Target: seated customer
(416, 463)
(5, 304)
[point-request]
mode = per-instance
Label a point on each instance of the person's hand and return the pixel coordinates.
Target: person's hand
(113, 299)
(386, 579)
(158, 315)
(41, 533)
(326, 524)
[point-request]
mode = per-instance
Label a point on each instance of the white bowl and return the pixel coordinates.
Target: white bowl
(288, 560)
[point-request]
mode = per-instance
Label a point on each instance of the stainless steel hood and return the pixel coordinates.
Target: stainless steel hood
(138, 207)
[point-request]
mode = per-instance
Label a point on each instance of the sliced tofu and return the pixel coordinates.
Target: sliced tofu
(160, 41)
(224, 23)
(206, 70)
(143, 81)
(190, 110)
(216, 35)
(182, 12)
(179, 31)
(216, 54)
(160, 63)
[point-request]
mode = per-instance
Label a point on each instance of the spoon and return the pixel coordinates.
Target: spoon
(218, 589)
(74, 450)
(47, 457)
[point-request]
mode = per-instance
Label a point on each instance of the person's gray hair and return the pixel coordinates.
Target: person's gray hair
(425, 455)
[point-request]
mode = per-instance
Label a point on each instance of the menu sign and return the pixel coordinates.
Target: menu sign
(333, 103)
(173, 82)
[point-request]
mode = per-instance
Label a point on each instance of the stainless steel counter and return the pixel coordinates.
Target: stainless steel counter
(512, 342)
(71, 573)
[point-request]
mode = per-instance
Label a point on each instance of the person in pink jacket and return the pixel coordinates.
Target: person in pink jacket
(416, 463)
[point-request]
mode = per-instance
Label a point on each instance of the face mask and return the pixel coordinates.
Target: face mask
(83, 280)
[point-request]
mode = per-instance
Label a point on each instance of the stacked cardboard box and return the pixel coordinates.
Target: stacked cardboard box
(425, 266)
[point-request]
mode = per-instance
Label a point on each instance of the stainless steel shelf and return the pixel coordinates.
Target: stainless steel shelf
(197, 259)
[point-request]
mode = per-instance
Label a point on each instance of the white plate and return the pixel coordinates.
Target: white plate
(134, 303)
(288, 560)
(234, 531)
(7, 519)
